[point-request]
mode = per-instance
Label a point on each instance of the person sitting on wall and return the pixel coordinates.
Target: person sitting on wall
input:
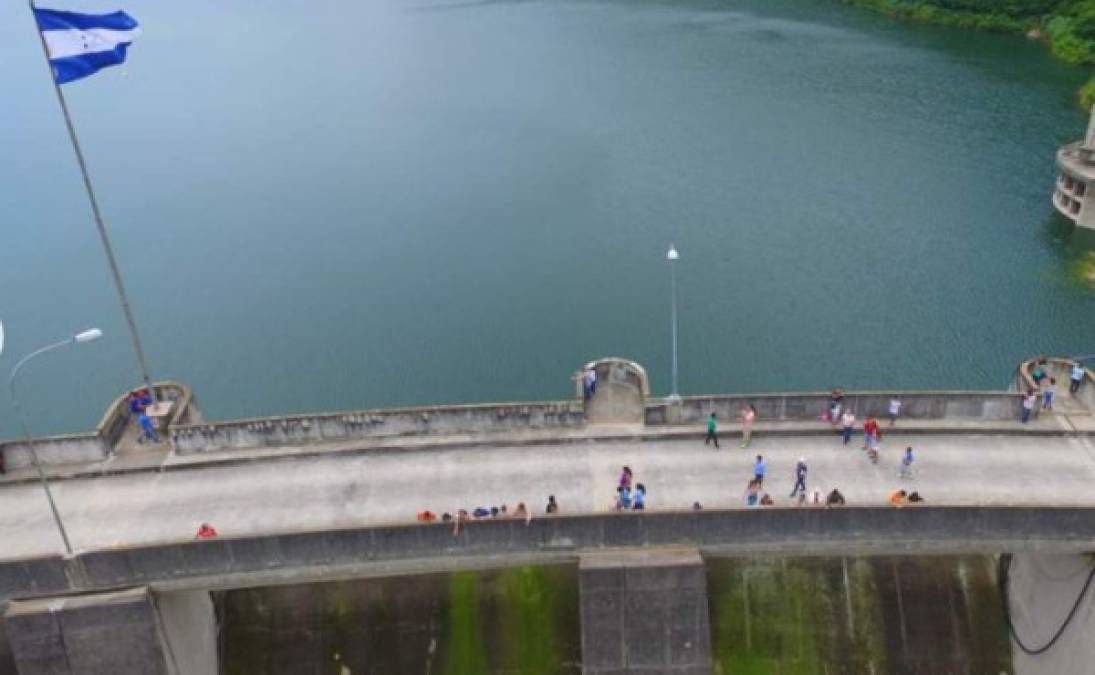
(623, 498)
(834, 498)
(480, 512)
(206, 531)
(766, 500)
(899, 498)
(426, 516)
(139, 400)
(915, 498)
(1038, 374)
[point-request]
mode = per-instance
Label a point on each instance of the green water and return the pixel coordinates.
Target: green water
(329, 205)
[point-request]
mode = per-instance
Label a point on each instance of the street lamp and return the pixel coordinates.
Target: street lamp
(672, 257)
(79, 338)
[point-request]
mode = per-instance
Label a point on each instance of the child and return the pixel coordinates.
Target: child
(906, 463)
(623, 498)
(1047, 394)
(751, 492)
(639, 502)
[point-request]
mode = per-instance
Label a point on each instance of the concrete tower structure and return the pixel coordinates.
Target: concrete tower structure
(1074, 195)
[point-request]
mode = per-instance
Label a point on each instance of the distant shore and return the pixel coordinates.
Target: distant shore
(1068, 26)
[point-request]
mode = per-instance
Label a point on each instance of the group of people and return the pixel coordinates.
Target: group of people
(748, 415)
(485, 513)
(755, 495)
(1045, 386)
(901, 498)
(626, 498)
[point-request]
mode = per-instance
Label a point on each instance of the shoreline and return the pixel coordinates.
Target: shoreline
(1060, 32)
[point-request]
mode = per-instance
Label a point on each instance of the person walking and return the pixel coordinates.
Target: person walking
(760, 468)
(748, 415)
(895, 410)
(1048, 392)
(906, 463)
(1076, 379)
(639, 501)
(712, 431)
(800, 477)
(552, 505)
(871, 433)
(847, 421)
(1028, 405)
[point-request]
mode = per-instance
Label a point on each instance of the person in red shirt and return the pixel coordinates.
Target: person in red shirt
(871, 434)
(206, 531)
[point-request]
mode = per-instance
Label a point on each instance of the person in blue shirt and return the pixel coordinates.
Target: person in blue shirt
(906, 463)
(760, 468)
(148, 429)
(640, 498)
(623, 498)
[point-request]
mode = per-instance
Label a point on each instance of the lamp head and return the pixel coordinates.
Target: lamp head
(88, 335)
(672, 254)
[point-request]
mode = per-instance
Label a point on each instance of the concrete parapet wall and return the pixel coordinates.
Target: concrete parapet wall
(95, 445)
(301, 429)
(69, 449)
(988, 405)
(235, 562)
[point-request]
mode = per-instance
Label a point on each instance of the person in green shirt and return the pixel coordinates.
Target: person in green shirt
(712, 427)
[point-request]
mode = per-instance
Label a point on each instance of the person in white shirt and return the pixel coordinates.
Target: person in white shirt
(895, 410)
(1077, 378)
(847, 421)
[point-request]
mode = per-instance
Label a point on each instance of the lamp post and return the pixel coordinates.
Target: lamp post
(672, 257)
(79, 338)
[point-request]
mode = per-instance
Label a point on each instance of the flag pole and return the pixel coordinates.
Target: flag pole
(103, 236)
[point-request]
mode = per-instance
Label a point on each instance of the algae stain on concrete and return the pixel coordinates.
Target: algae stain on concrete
(856, 615)
(520, 621)
(466, 655)
(527, 609)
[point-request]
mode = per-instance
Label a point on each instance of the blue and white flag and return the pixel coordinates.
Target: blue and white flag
(81, 44)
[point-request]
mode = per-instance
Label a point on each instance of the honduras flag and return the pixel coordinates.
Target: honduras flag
(81, 44)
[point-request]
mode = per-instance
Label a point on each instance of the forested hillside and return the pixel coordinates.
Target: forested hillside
(1067, 25)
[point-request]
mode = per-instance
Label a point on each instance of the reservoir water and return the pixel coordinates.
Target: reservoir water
(329, 205)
